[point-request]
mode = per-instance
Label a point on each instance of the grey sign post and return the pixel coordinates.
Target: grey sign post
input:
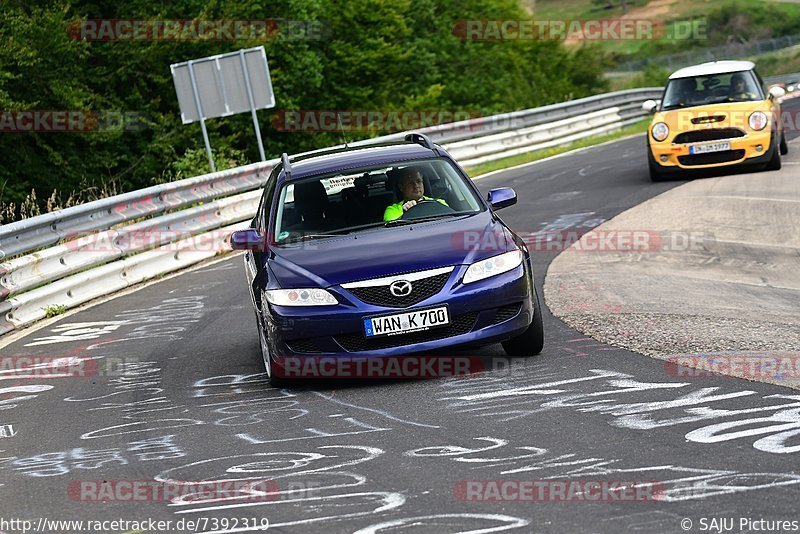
(223, 85)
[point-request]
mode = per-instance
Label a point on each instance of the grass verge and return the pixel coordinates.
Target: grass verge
(527, 157)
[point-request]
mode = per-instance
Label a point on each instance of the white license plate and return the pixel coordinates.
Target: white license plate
(403, 323)
(712, 147)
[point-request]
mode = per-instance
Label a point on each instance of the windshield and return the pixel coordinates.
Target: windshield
(718, 88)
(372, 197)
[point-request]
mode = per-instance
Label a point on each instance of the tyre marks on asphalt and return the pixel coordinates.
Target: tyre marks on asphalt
(769, 423)
(674, 483)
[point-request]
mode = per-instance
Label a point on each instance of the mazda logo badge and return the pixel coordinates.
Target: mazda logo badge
(400, 288)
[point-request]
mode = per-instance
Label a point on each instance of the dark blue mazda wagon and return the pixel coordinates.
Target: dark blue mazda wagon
(385, 250)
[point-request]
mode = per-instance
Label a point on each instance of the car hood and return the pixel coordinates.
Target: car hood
(381, 252)
(728, 115)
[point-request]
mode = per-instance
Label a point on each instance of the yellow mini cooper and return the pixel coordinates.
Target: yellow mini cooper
(714, 115)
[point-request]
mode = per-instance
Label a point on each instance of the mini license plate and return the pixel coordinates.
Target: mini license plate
(712, 147)
(403, 323)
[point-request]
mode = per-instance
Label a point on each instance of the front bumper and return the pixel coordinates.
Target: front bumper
(744, 150)
(483, 312)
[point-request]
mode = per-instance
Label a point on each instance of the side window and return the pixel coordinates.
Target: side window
(262, 216)
(761, 84)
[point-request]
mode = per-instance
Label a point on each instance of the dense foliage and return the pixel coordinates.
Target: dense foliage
(730, 22)
(373, 55)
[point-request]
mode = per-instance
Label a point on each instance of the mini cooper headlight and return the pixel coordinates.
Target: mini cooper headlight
(660, 131)
(493, 266)
(300, 297)
(758, 121)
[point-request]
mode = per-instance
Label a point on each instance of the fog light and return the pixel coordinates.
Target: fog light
(664, 158)
(759, 148)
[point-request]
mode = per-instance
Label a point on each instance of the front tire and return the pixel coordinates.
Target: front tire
(784, 145)
(775, 161)
(274, 381)
(655, 174)
(531, 341)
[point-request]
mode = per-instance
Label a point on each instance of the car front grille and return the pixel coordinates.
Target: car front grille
(421, 290)
(307, 345)
(360, 343)
(711, 158)
(713, 134)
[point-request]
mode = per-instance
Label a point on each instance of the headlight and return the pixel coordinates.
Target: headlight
(300, 297)
(758, 121)
(660, 131)
(493, 266)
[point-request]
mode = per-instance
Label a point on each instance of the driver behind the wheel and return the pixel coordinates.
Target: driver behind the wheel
(739, 89)
(412, 191)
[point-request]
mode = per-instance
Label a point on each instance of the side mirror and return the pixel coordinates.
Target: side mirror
(502, 197)
(649, 106)
(248, 239)
(777, 91)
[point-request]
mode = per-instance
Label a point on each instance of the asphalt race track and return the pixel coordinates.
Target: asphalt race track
(192, 405)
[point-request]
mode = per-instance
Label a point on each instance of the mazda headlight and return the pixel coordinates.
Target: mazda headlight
(300, 297)
(660, 131)
(758, 121)
(493, 266)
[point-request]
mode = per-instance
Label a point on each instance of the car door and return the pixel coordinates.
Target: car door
(254, 260)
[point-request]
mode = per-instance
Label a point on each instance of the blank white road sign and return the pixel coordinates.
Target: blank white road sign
(221, 84)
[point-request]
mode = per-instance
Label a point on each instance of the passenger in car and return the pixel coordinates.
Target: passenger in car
(411, 189)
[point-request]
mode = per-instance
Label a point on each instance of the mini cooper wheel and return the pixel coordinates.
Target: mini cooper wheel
(655, 176)
(775, 161)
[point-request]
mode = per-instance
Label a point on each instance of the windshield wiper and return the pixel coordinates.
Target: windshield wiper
(724, 100)
(402, 222)
(312, 236)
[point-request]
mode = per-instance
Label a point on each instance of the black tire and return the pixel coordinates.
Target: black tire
(775, 161)
(274, 381)
(655, 175)
(784, 145)
(531, 341)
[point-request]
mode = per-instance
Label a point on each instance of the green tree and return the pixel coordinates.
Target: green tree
(372, 55)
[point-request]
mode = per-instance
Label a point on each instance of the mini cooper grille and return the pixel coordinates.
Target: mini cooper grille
(714, 134)
(420, 290)
(711, 158)
(506, 312)
(359, 343)
(307, 345)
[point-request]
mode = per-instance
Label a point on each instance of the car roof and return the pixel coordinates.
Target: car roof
(714, 67)
(357, 157)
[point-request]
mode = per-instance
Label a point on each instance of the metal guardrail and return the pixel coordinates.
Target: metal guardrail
(769, 80)
(50, 228)
(91, 252)
(515, 120)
